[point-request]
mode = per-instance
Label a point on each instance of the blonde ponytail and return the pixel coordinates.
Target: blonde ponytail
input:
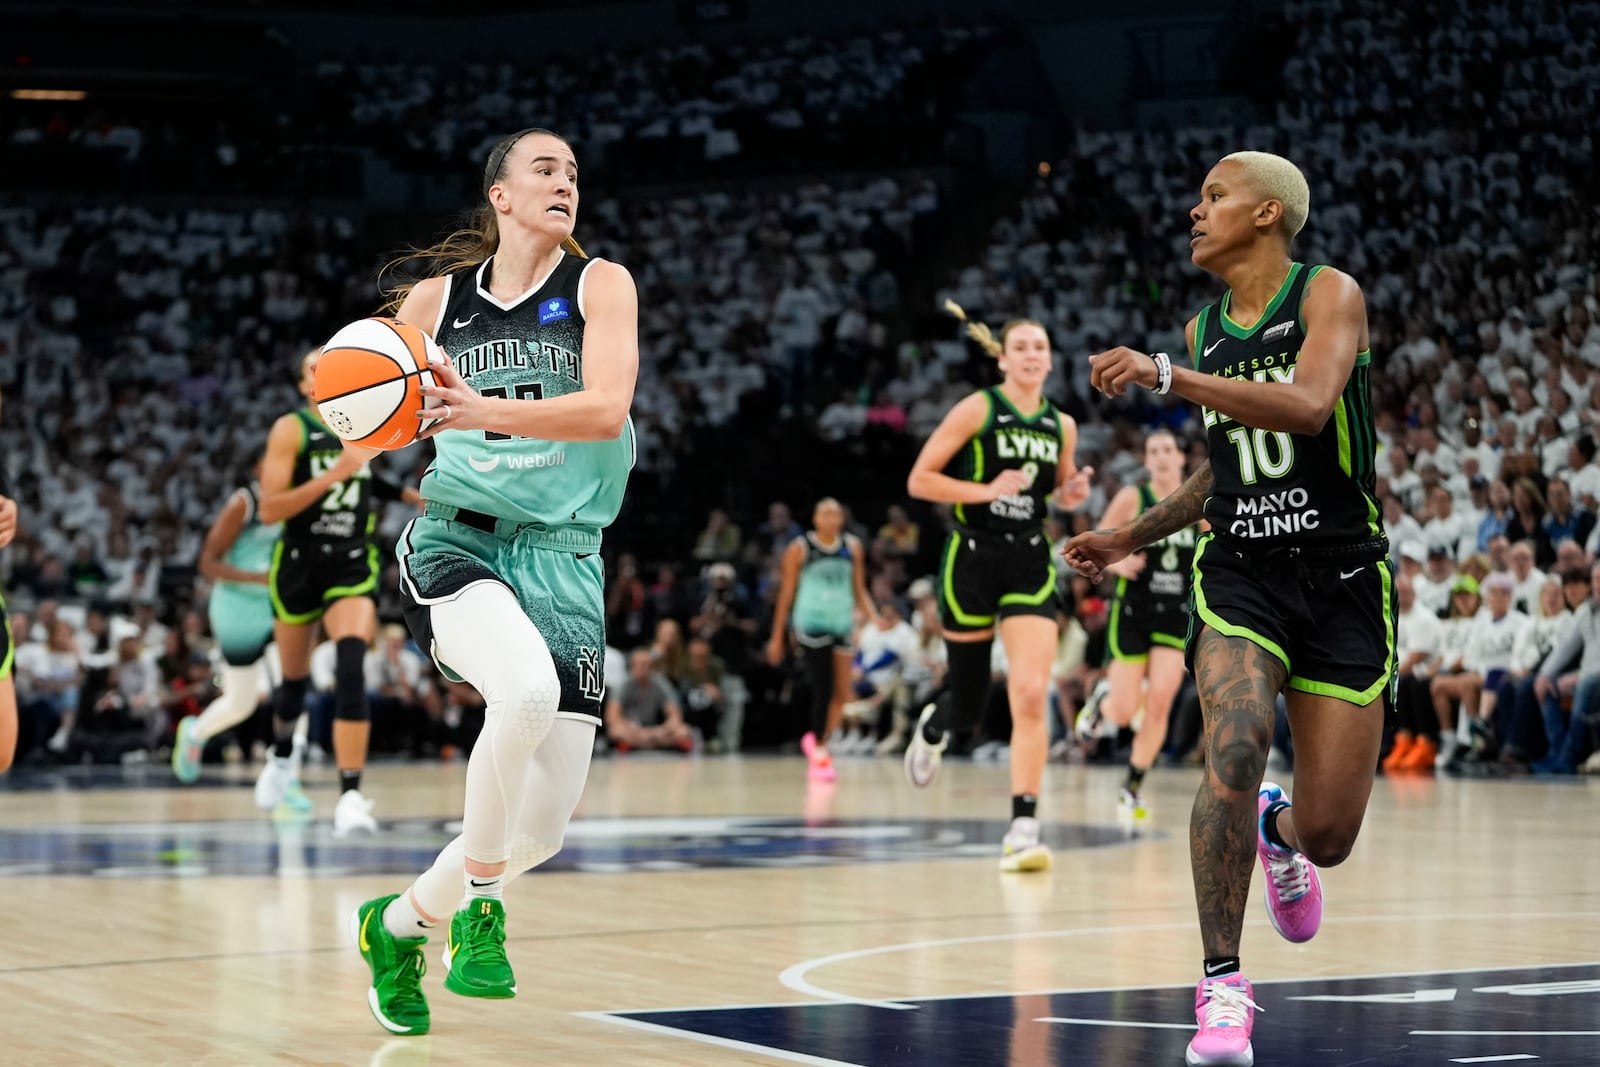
(978, 331)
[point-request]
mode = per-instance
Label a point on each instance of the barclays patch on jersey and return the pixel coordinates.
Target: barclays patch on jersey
(554, 309)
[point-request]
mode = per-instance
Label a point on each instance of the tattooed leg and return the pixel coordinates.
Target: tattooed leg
(1238, 683)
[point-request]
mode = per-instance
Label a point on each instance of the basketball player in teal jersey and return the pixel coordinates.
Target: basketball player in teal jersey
(501, 576)
(236, 555)
(824, 580)
(324, 569)
(8, 648)
(1000, 456)
(1149, 618)
(1293, 590)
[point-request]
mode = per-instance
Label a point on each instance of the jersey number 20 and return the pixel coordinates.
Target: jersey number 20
(525, 391)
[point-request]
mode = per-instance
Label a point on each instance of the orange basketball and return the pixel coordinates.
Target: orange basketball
(368, 382)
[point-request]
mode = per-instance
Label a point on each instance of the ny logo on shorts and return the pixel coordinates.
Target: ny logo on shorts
(590, 682)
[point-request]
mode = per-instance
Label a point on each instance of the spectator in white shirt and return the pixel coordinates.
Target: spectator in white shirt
(1517, 705)
(1404, 482)
(1445, 527)
(1585, 476)
(1401, 528)
(1436, 582)
(1418, 646)
(1528, 579)
(1473, 677)
(883, 652)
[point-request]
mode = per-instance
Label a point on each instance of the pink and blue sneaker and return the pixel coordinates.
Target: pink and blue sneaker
(1294, 891)
(1226, 1013)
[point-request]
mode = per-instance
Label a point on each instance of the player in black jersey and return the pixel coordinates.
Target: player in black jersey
(1000, 456)
(1149, 617)
(8, 648)
(1293, 589)
(324, 568)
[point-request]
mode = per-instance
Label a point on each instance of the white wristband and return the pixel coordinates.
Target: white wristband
(1163, 373)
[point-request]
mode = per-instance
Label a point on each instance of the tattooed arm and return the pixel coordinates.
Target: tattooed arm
(1185, 506)
(1091, 553)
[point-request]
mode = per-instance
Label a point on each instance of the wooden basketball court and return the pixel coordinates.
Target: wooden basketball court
(720, 911)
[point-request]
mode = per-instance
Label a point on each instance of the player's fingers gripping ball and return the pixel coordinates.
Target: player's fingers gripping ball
(368, 382)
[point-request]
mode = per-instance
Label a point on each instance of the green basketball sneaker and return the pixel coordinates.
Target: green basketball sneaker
(395, 995)
(475, 952)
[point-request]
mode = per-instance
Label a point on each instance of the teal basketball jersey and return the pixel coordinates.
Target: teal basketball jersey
(825, 599)
(530, 348)
(252, 549)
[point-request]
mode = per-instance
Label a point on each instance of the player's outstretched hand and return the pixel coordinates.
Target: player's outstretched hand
(1091, 553)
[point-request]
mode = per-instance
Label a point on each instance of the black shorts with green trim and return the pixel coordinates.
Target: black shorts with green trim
(1329, 617)
(1137, 627)
(8, 647)
(305, 579)
(984, 577)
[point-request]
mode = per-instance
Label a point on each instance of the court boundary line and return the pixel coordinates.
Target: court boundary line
(714, 1040)
(1071, 990)
(794, 976)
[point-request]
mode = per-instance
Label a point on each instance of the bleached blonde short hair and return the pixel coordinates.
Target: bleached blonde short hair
(1275, 178)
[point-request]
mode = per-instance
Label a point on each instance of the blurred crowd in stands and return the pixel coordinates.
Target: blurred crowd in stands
(789, 353)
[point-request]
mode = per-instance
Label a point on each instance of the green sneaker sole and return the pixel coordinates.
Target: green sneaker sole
(460, 988)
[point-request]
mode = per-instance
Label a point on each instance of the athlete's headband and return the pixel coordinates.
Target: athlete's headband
(497, 156)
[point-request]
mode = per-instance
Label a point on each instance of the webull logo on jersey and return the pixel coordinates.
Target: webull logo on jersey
(513, 461)
(1286, 511)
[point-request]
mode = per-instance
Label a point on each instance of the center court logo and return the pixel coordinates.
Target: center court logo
(515, 462)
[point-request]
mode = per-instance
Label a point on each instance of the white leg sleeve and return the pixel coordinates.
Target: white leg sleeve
(555, 782)
(484, 636)
(560, 769)
(236, 704)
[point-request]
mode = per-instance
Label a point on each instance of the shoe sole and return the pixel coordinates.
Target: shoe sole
(1245, 1059)
(1036, 858)
(353, 929)
(461, 989)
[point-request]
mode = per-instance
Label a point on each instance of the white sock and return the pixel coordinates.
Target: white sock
(402, 919)
(479, 886)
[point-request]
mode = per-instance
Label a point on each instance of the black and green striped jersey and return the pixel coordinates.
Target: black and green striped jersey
(1277, 489)
(1010, 439)
(346, 513)
(1167, 564)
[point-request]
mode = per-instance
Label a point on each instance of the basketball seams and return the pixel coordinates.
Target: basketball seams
(406, 373)
(421, 360)
(402, 376)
